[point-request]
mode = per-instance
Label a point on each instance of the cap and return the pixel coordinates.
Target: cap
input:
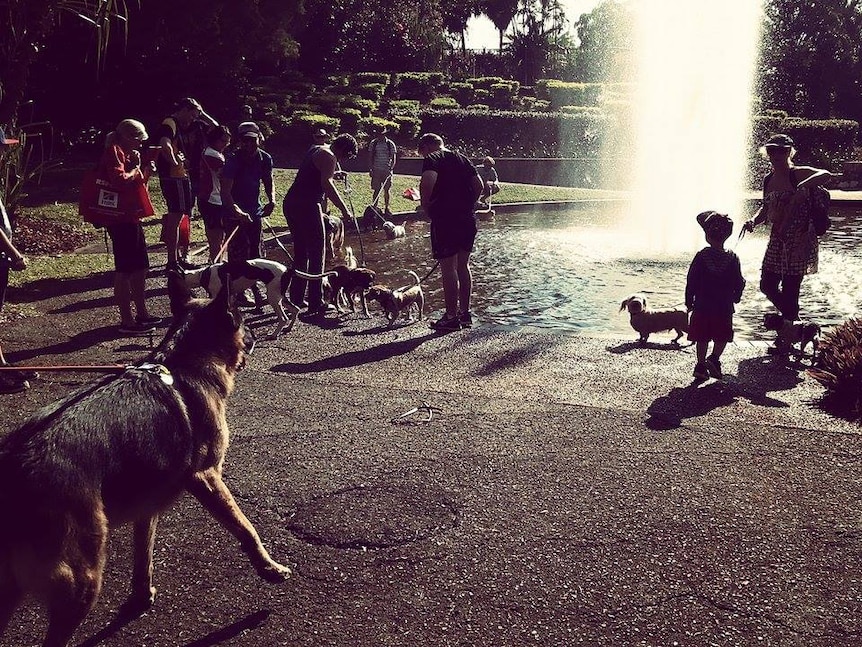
(779, 141)
(6, 140)
(715, 223)
(249, 129)
(321, 133)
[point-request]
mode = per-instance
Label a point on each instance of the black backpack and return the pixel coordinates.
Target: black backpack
(818, 205)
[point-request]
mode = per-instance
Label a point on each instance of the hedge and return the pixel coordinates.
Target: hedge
(378, 78)
(563, 93)
(404, 107)
(418, 85)
(443, 103)
(373, 91)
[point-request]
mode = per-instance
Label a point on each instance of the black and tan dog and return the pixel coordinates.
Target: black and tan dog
(121, 451)
(347, 283)
(394, 302)
(793, 332)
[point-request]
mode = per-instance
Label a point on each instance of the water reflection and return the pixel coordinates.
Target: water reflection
(570, 270)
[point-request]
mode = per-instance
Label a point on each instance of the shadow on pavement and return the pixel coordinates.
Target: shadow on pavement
(355, 358)
(629, 346)
(51, 287)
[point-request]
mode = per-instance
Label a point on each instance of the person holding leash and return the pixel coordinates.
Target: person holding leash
(382, 155)
(449, 188)
(303, 211)
(792, 250)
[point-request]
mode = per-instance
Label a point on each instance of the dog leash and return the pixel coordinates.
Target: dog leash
(277, 240)
(147, 367)
(406, 417)
(226, 243)
(430, 272)
(348, 191)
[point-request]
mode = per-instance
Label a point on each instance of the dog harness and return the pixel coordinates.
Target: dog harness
(159, 370)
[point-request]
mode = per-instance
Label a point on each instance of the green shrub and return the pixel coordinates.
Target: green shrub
(581, 110)
(564, 93)
(373, 91)
(302, 127)
(776, 114)
(444, 103)
(482, 96)
(349, 118)
(368, 124)
(365, 106)
(485, 82)
(463, 92)
(482, 107)
(418, 85)
(404, 107)
(541, 105)
(408, 127)
(379, 78)
(503, 94)
(338, 80)
(328, 102)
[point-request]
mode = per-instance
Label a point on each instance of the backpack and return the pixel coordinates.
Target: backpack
(818, 206)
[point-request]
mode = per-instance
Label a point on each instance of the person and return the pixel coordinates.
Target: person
(247, 170)
(10, 259)
(490, 180)
(121, 166)
(381, 163)
(792, 250)
(448, 190)
(320, 137)
(209, 193)
(303, 211)
(173, 171)
(714, 284)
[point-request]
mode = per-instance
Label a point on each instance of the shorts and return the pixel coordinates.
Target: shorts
(212, 214)
(130, 247)
(378, 178)
(178, 194)
(450, 236)
(707, 326)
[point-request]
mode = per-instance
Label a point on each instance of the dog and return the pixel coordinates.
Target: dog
(394, 231)
(350, 259)
(646, 321)
(371, 218)
(121, 451)
(394, 302)
(334, 230)
(346, 284)
(793, 332)
(275, 276)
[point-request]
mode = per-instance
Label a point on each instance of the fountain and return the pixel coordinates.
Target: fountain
(692, 111)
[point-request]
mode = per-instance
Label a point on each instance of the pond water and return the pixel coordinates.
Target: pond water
(571, 269)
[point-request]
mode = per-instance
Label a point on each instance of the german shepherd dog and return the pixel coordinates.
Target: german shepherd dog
(76, 469)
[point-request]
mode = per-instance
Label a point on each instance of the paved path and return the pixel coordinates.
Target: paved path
(570, 490)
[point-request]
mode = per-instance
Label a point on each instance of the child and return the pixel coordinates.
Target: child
(490, 180)
(713, 285)
(209, 191)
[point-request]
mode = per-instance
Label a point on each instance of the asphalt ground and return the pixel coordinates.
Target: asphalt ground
(566, 490)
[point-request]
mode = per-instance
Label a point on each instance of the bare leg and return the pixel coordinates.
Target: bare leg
(465, 280)
(209, 488)
(718, 348)
(449, 270)
(137, 288)
(171, 231)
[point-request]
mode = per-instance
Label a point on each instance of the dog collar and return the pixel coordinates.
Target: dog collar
(159, 370)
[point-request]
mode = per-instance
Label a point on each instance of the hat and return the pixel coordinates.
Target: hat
(779, 141)
(715, 223)
(6, 140)
(321, 133)
(249, 129)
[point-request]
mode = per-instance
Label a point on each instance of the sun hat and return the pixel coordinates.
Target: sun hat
(321, 133)
(779, 141)
(8, 141)
(249, 129)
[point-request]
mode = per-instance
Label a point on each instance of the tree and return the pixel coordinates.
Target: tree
(501, 13)
(538, 40)
(30, 23)
(605, 34)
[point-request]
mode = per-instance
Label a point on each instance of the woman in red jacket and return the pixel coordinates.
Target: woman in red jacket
(121, 166)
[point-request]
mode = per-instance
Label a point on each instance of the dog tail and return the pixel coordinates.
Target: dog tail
(416, 279)
(313, 277)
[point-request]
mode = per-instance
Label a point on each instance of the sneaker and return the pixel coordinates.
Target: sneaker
(700, 371)
(186, 264)
(11, 384)
(135, 329)
(713, 367)
(446, 323)
(466, 319)
(149, 320)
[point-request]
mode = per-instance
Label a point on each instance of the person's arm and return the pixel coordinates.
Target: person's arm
(426, 187)
(393, 156)
(269, 207)
(690, 280)
(170, 153)
(740, 279)
(326, 163)
(815, 177)
(371, 157)
(115, 168)
(19, 261)
(478, 186)
(226, 192)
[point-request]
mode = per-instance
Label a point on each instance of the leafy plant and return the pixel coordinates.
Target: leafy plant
(839, 368)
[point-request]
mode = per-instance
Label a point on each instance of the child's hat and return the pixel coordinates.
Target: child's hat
(715, 223)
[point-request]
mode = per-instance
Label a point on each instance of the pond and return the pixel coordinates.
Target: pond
(571, 269)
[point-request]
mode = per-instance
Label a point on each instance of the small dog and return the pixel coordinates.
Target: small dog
(334, 229)
(793, 332)
(121, 451)
(646, 321)
(394, 302)
(347, 283)
(275, 276)
(394, 231)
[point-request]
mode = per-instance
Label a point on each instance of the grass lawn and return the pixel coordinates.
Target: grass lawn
(49, 220)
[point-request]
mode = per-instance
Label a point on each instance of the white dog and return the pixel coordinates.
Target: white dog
(394, 231)
(394, 302)
(646, 321)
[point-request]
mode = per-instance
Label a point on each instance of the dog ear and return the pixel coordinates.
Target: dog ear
(178, 293)
(624, 304)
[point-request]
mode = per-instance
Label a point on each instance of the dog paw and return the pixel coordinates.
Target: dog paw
(274, 572)
(138, 603)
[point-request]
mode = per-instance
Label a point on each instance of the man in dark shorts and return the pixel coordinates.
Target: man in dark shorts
(172, 166)
(449, 188)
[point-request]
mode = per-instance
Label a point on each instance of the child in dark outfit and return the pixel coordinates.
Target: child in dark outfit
(714, 284)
